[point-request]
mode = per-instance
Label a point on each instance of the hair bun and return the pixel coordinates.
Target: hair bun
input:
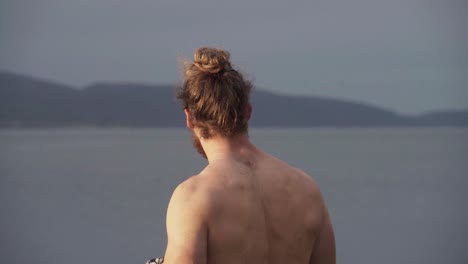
(212, 60)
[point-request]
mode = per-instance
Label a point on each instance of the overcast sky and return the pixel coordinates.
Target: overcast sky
(406, 55)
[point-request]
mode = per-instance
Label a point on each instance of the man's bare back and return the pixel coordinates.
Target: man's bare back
(245, 206)
(255, 209)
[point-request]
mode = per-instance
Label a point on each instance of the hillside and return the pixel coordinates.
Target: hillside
(30, 102)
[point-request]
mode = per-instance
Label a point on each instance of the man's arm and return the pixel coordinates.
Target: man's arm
(324, 251)
(187, 230)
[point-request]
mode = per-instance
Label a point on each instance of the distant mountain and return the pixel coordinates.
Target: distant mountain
(30, 102)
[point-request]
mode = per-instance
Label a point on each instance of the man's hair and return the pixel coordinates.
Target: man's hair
(216, 95)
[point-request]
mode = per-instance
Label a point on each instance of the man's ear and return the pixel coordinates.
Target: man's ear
(188, 118)
(249, 111)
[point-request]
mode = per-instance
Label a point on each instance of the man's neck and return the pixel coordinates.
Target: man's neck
(218, 148)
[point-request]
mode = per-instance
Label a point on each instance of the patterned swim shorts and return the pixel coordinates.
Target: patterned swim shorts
(155, 261)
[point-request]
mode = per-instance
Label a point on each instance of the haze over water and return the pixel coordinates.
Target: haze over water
(100, 196)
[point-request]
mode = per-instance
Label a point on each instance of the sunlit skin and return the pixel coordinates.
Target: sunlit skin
(247, 207)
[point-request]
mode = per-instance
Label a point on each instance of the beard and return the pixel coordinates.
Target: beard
(197, 145)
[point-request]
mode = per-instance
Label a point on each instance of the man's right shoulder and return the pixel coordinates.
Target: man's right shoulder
(297, 171)
(310, 188)
(307, 178)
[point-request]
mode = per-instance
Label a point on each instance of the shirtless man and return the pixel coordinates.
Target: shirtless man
(245, 206)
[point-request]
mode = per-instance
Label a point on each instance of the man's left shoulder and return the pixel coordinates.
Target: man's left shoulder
(187, 223)
(192, 194)
(194, 185)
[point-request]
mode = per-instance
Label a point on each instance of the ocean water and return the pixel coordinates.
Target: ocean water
(100, 196)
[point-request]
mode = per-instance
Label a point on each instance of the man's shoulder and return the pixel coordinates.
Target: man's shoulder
(194, 185)
(303, 181)
(300, 174)
(306, 176)
(195, 188)
(190, 195)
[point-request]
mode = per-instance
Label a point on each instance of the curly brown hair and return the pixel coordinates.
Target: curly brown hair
(215, 93)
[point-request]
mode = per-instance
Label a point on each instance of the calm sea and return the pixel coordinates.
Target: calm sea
(100, 196)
